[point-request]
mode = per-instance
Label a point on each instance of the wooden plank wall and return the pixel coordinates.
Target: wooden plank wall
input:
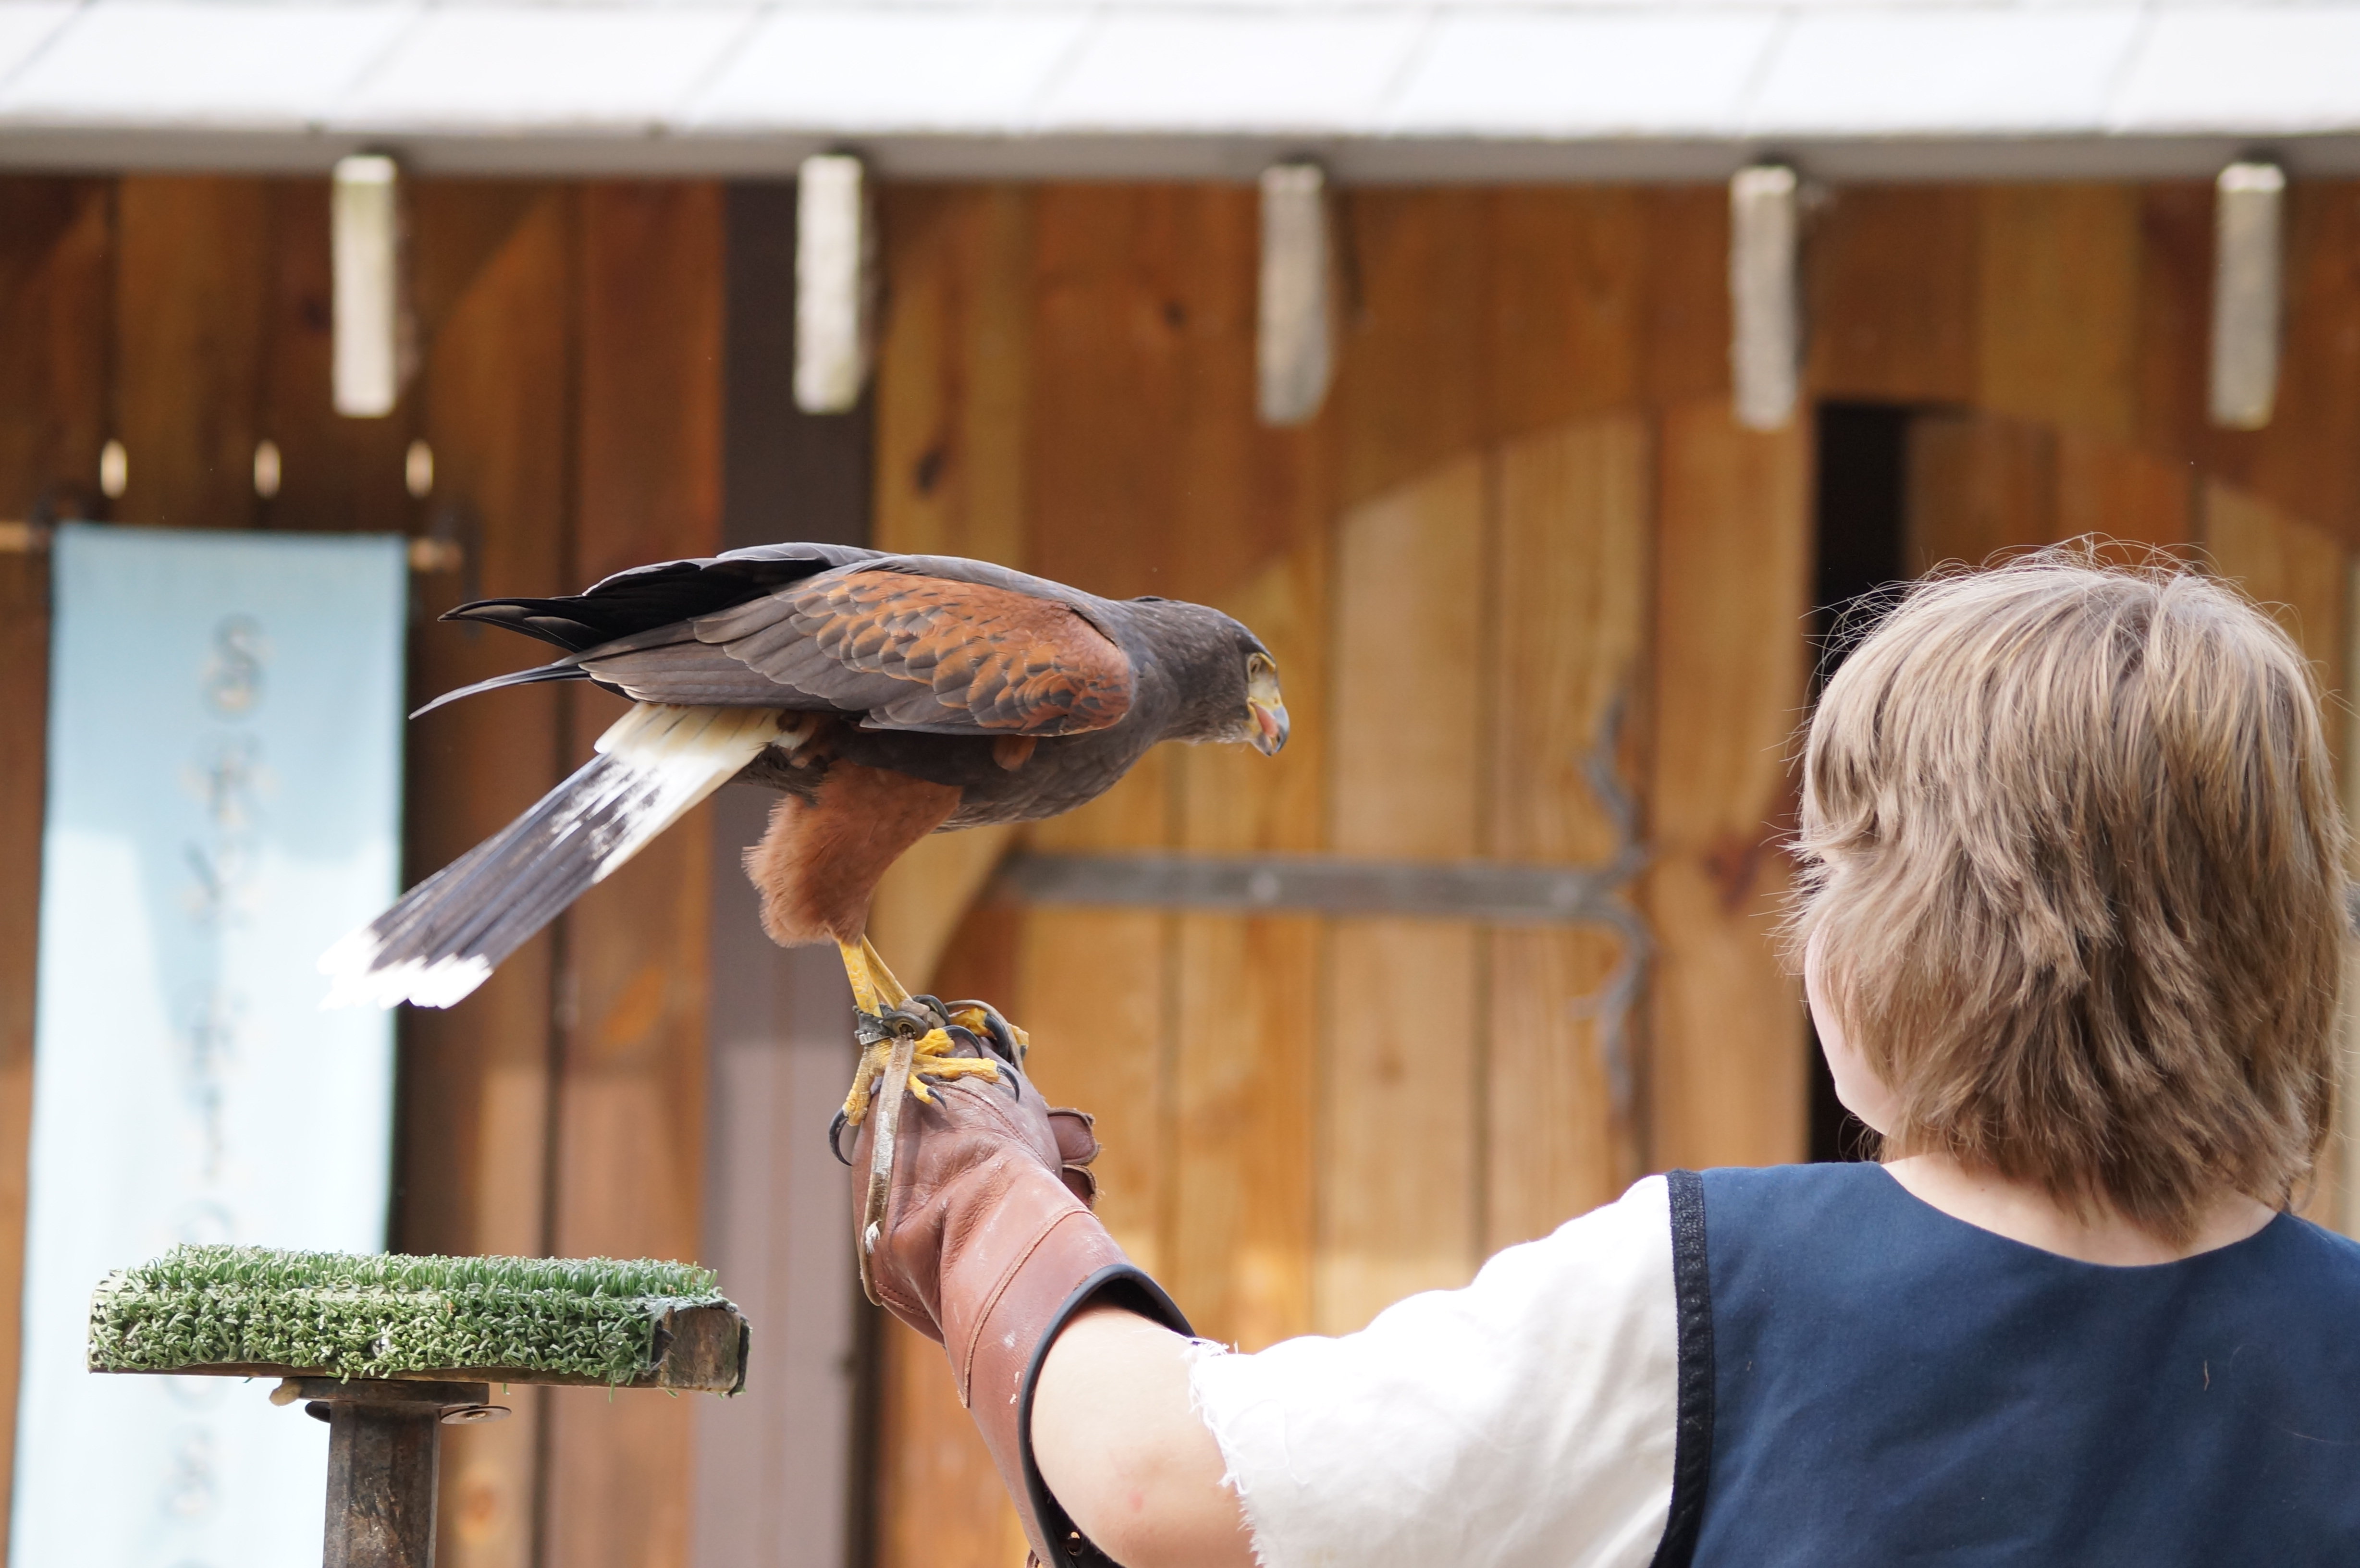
(570, 395)
(1459, 566)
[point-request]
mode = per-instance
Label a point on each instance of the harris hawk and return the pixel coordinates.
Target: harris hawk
(884, 696)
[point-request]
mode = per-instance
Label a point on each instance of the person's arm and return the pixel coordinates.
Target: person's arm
(1123, 1450)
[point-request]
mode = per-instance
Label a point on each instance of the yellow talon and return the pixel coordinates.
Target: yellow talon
(875, 991)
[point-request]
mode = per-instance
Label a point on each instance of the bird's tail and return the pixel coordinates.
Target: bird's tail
(444, 937)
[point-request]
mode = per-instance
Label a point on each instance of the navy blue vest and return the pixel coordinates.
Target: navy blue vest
(1868, 1381)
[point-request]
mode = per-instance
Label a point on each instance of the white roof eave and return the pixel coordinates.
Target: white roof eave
(1383, 91)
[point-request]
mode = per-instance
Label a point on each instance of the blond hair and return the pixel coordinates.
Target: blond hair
(2073, 861)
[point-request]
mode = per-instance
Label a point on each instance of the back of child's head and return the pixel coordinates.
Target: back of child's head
(2073, 882)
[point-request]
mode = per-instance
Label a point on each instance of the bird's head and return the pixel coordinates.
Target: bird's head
(1265, 709)
(1228, 681)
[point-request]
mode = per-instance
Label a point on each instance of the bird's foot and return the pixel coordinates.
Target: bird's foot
(889, 1012)
(929, 1058)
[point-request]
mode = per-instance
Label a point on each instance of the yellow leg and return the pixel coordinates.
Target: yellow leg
(875, 990)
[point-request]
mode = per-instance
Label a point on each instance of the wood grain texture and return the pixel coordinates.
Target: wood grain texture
(631, 1092)
(1731, 584)
(1891, 275)
(951, 372)
(1685, 336)
(476, 1079)
(56, 315)
(336, 473)
(2119, 491)
(2175, 327)
(2057, 304)
(2307, 460)
(1977, 484)
(24, 711)
(940, 1501)
(1399, 1194)
(1569, 281)
(192, 284)
(1244, 1178)
(1411, 389)
(1568, 592)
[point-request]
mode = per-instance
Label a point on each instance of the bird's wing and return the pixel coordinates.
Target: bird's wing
(911, 652)
(664, 593)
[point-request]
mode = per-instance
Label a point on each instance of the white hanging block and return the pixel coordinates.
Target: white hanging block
(835, 287)
(1294, 355)
(1765, 345)
(376, 333)
(2247, 289)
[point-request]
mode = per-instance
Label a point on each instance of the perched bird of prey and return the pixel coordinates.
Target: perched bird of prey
(885, 697)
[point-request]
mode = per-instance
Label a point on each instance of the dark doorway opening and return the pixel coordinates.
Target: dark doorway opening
(1861, 525)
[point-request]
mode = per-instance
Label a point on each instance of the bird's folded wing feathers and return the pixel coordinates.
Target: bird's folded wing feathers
(931, 653)
(444, 937)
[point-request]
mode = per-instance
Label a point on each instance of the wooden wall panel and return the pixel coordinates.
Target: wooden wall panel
(2057, 304)
(475, 1078)
(192, 277)
(2175, 326)
(1569, 595)
(1247, 1025)
(24, 711)
(1980, 483)
(336, 473)
(56, 320)
(2123, 492)
(1399, 1194)
(631, 1097)
(1891, 271)
(1685, 343)
(1977, 484)
(2307, 460)
(1569, 279)
(1733, 565)
(1410, 388)
(952, 378)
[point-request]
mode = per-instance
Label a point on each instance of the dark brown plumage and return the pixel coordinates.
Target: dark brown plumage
(885, 696)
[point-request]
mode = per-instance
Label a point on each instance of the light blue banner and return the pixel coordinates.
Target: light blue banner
(224, 767)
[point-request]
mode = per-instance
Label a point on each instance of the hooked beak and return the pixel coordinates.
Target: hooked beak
(1270, 725)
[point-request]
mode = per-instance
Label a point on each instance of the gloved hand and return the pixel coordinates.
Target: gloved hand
(987, 1246)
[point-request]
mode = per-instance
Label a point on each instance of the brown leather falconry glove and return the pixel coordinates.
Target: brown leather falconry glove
(987, 1246)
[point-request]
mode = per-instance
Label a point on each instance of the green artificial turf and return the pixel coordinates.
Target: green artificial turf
(384, 1315)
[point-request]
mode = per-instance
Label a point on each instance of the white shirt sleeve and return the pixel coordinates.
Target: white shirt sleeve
(1525, 1422)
